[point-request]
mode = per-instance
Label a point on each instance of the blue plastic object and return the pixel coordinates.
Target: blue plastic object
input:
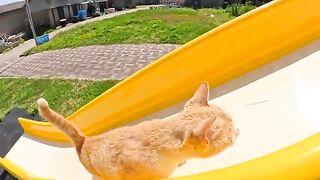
(82, 15)
(42, 39)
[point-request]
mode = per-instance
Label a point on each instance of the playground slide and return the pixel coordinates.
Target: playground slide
(218, 56)
(234, 58)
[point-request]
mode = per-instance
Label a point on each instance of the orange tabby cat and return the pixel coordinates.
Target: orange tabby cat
(152, 149)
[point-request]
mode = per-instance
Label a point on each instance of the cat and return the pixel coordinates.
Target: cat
(152, 149)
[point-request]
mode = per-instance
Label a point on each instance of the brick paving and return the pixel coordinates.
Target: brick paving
(13, 56)
(91, 62)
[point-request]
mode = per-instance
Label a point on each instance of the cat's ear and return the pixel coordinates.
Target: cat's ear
(201, 96)
(199, 131)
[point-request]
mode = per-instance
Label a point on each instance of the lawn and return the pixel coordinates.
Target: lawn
(163, 25)
(65, 96)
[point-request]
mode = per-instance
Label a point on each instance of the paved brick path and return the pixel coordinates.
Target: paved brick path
(11, 57)
(91, 62)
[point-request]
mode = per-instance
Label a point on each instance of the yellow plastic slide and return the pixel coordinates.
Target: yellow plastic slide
(226, 53)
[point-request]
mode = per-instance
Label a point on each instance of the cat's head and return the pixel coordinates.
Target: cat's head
(212, 129)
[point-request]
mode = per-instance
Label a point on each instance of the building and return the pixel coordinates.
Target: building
(45, 14)
(12, 17)
(50, 12)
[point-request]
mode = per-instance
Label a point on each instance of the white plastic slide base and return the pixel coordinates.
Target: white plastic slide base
(271, 113)
(43, 160)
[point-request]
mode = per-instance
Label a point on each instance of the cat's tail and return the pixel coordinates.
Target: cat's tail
(63, 124)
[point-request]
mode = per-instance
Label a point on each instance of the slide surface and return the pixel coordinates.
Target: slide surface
(265, 67)
(276, 109)
(227, 52)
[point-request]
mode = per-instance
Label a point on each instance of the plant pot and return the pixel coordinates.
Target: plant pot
(63, 22)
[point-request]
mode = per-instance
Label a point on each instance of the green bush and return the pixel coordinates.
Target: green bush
(239, 9)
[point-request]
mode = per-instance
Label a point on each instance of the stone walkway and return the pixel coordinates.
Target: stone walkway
(91, 62)
(13, 55)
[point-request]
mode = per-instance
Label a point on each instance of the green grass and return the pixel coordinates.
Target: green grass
(239, 9)
(164, 25)
(65, 96)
